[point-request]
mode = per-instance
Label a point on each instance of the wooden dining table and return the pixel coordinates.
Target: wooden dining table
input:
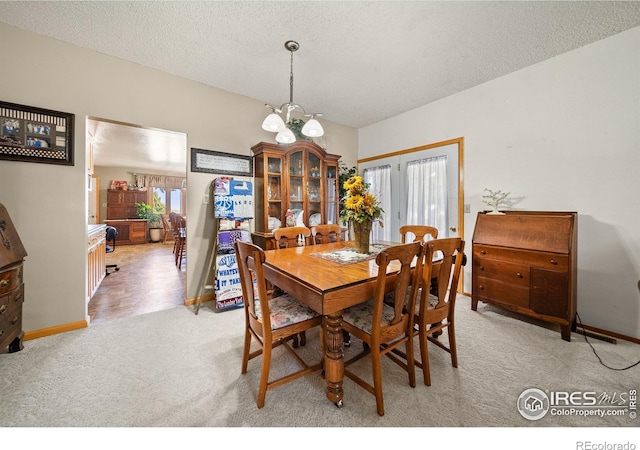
(327, 287)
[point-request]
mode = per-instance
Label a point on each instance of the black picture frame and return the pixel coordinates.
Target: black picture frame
(32, 134)
(221, 163)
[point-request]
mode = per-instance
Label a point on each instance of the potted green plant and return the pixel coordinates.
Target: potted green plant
(145, 211)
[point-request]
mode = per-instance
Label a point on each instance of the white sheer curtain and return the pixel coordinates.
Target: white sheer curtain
(379, 181)
(427, 194)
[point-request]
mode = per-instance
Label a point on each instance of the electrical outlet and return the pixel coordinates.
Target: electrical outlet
(467, 208)
(205, 200)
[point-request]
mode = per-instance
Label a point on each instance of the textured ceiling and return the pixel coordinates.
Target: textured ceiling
(359, 62)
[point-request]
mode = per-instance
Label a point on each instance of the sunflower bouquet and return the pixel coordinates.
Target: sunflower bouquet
(360, 205)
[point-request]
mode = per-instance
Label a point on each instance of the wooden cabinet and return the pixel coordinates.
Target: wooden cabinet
(301, 177)
(525, 261)
(12, 255)
(122, 204)
(96, 257)
(132, 231)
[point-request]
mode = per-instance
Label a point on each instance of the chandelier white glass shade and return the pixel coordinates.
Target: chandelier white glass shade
(274, 121)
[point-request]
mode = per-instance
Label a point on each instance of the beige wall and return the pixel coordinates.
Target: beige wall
(48, 203)
(561, 135)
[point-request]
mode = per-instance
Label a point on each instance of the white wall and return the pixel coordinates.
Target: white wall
(563, 134)
(48, 203)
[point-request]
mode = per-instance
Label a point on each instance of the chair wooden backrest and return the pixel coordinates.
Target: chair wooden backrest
(443, 263)
(406, 277)
(418, 231)
(250, 258)
(271, 321)
(323, 234)
(445, 270)
(289, 236)
(166, 226)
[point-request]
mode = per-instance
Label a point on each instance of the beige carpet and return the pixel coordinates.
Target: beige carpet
(175, 369)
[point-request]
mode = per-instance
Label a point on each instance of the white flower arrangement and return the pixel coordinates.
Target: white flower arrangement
(495, 199)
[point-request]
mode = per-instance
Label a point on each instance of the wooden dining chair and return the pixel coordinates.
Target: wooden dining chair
(291, 236)
(418, 232)
(385, 326)
(179, 229)
(271, 321)
(166, 226)
(435, 312)
(323, 234)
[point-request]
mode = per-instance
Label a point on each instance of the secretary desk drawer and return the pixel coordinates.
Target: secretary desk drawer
(543, 260)
(499, 291)
(10, 279)
(514, 273)
(10, 327)
(11, 301)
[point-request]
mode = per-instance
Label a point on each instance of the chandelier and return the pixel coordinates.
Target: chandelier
(274, 122)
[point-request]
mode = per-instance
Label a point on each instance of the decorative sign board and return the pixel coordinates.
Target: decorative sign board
(209, 161)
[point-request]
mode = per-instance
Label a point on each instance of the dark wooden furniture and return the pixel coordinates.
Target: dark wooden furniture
(271, 322)
(130, 231)
(12, 255)
(525, 261)
(301, 177)
(327, 289)
(122, 204)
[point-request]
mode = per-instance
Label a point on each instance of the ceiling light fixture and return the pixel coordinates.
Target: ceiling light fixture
(274, 122)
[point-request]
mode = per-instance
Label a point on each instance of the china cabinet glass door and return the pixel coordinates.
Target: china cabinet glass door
(332, 193)
(274, 192)
(314, 194)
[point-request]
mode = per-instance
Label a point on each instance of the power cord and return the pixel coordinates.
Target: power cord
(596, 353)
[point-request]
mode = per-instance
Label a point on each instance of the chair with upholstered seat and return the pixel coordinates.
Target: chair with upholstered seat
(323, 234)
(385, 326)
(418, 232)
(291, 236)
(435, 310)
(271, 321)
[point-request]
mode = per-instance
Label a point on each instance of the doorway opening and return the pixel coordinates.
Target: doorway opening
(153, 164)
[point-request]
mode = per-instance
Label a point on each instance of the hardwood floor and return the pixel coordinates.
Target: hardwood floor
(148, 280)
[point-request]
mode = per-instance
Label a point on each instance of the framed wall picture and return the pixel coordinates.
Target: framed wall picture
(221, 163)
(32, 134)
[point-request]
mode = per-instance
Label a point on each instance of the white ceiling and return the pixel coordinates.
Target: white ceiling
(359, 62)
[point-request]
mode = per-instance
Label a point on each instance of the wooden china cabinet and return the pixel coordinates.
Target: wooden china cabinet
(123, 215)
(301, 177)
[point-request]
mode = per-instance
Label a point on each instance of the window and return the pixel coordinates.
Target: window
(168, 200)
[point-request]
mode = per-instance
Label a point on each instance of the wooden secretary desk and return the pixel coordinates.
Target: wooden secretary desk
(301, 177)
(526, 261)
(12, 254)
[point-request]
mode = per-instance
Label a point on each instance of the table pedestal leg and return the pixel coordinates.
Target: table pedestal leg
(333, 358)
